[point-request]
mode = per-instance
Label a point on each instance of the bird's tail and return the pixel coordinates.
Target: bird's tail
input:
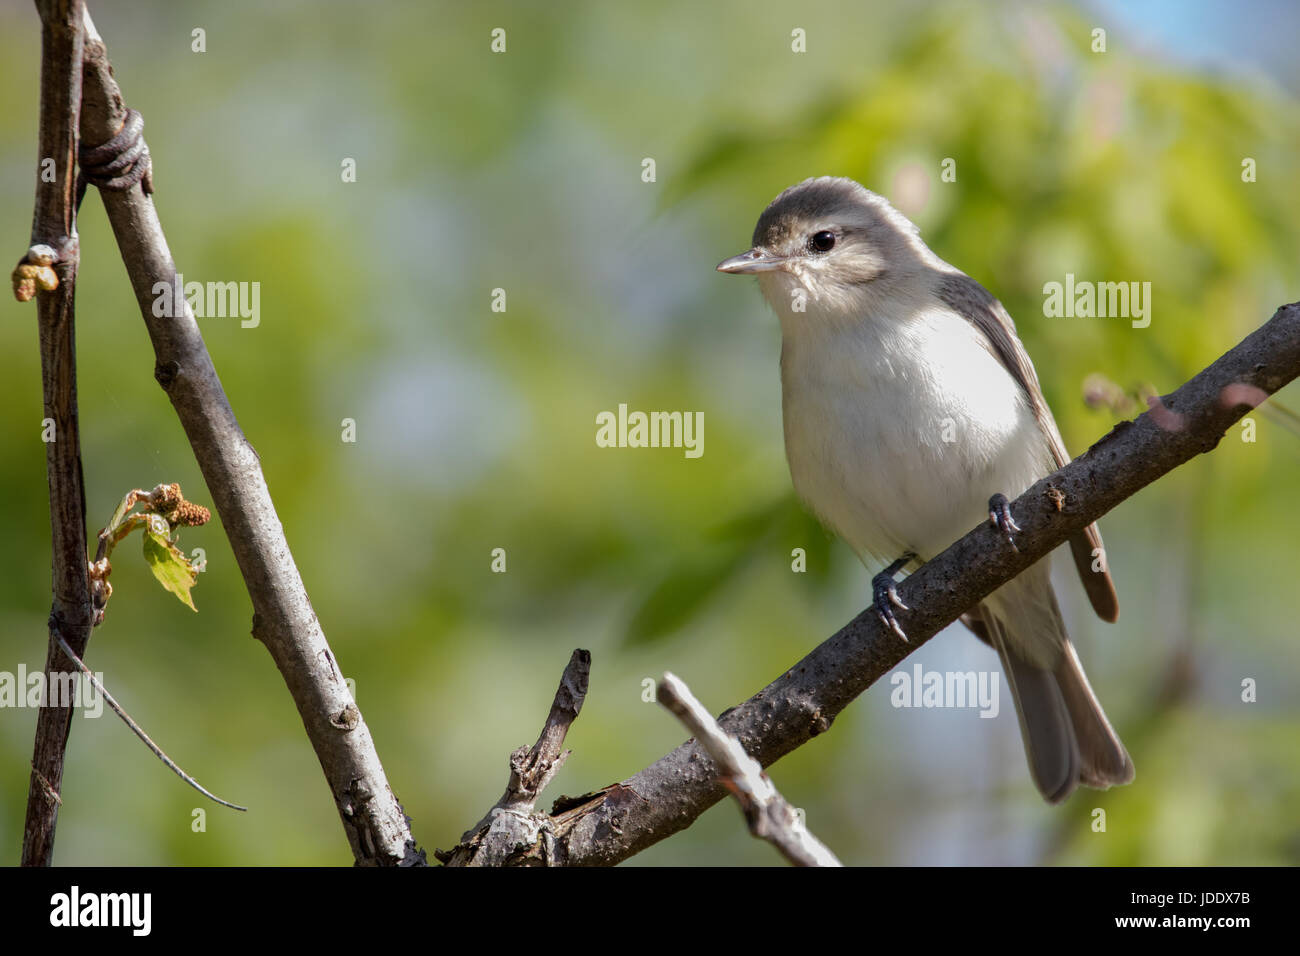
(1068, 740)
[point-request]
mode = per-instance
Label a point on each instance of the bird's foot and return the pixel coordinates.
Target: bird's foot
(1000, 518)
(884, 595)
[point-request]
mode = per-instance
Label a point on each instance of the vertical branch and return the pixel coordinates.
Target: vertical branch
(283, 619)
(54, 225)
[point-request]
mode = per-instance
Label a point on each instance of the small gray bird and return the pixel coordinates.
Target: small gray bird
(911, 410)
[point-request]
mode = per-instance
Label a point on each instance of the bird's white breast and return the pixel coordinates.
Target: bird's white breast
(898, 429)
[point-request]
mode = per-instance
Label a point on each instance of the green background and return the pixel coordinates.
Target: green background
(475, 429)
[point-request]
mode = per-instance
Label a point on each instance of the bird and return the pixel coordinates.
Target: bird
(911, 410)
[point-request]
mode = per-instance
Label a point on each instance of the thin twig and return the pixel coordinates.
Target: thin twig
(769, 815)
(54, 233)
(138, 731)
(531, 770)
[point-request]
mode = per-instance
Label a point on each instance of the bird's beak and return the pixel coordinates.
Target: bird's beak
(753, 261)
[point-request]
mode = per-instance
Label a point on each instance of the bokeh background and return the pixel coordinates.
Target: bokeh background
(475, 429)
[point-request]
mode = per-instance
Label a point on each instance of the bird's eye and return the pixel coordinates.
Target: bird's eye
(822, 242)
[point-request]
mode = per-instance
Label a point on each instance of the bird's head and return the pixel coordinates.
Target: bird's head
(834, 244)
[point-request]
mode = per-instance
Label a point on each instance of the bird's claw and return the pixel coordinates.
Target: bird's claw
(1000, 518)
(884, 592)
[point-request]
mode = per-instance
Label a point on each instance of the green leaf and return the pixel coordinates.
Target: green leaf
(119, 514)
(172, 569)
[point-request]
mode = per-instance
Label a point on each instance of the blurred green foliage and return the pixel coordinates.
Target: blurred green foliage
(522, 171)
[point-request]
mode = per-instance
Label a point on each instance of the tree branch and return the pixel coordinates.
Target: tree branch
(54, 227)
(512, 821)
(768, 814)
(283, 618)
(612, 824)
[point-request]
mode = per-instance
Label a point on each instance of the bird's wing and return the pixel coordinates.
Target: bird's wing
(977, 305)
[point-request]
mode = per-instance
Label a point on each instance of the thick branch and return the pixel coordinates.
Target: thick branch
(283, 618)
(54, 226)
(625, 818)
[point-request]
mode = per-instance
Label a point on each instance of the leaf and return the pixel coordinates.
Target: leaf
(172, 569)
(119, 514)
